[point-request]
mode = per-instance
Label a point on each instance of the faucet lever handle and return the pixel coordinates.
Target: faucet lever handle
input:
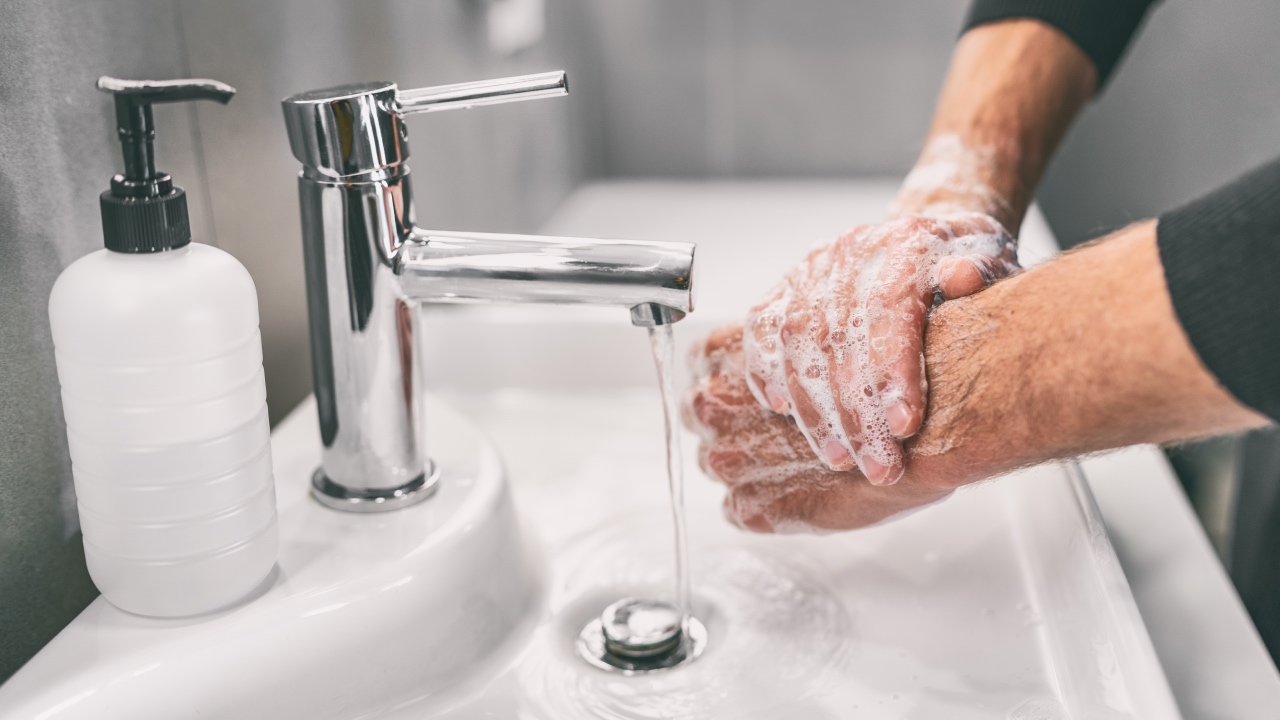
(463, 96)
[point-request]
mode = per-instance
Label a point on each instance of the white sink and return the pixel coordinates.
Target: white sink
(362, 612)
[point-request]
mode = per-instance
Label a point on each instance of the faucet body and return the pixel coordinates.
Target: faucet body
(368, 266)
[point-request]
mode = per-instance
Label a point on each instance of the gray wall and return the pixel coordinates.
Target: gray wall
(1195, 104)
(56, 153)
(846, 87)
(765, 87)
(492, 169)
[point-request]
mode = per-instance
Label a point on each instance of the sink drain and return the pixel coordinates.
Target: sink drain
(636, 635)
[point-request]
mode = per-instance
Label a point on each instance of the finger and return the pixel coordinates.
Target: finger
(704, 449)
(707, 354)
(813, 408)
(711, 404)
(762, 342)
(764, 346)
(807, 367)
(707, 414)
(845, 341)
(895, 358)
(728, 463)
(762, 352)
(832, 503)
(725, 339)
(755, 522)
(789, 507)
(961, 276)
(692, 408)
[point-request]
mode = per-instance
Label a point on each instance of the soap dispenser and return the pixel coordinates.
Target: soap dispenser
(160, 361)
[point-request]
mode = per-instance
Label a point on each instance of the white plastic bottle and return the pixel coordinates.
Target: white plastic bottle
(160, 361)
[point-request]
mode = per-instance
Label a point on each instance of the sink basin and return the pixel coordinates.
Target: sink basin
(1004, 602)
(362, 612)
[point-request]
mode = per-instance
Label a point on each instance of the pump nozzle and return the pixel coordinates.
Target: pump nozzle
(143, 211)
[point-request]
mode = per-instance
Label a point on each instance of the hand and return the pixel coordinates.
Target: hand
(1082, 354)
(1010, 95)
(838, 344)
(775, 482)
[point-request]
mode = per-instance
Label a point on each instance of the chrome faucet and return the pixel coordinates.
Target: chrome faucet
(368, 266)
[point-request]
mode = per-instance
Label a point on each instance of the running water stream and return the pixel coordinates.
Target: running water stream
(662, 343)
(643, 634)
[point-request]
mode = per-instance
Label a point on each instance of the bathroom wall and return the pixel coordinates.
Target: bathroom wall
(696, 88)
(57, 153)
(496, 169)
(1195, 104)
(846, 87)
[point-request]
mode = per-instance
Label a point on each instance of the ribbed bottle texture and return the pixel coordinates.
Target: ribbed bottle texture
(160, 362)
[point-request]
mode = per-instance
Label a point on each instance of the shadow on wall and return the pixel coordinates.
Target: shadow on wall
(57, 153)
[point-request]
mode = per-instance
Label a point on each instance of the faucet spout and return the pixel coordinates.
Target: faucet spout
(486, 267)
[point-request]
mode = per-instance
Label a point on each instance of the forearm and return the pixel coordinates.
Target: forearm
(1013, 89)
(1079, 355)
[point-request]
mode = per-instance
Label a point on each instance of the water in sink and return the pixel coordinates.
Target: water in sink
(778, 638)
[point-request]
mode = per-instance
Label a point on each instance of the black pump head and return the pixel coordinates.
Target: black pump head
(143, 212)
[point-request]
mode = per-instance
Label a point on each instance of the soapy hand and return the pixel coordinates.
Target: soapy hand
(775, 482)
(838, 344)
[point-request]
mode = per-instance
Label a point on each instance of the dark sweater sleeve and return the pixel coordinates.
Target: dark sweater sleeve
(1221, 257)
(1101, 28)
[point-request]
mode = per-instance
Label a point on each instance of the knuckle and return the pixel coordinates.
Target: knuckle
(726, 463)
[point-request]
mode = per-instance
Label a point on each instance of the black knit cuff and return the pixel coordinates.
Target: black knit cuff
(1102, 28)
(1221, 257)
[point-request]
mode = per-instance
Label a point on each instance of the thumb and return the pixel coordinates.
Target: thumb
(967, 274)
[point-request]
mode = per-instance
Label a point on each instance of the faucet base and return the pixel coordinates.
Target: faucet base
(366, 500)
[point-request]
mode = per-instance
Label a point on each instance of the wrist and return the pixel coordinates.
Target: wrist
(976, 427)
(954, 175)
(1080, 355)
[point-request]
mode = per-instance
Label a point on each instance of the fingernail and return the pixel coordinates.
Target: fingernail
(758, 524)
(878, 474)
(778, 402)
(837, 455)
(730, 515)
(899, 417)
